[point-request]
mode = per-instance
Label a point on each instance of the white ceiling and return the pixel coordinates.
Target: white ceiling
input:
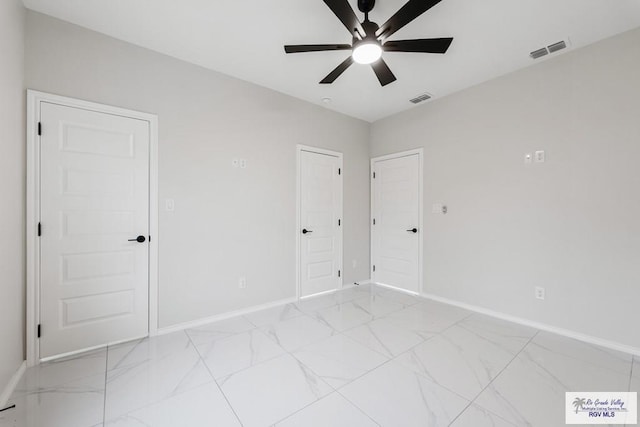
(245, 39)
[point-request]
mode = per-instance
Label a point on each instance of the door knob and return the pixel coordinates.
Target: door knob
(305, 231)
(139, 239)
(413, 230)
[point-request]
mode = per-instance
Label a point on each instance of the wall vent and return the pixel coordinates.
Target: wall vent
(557, 46)
(539, 53)
(552, 48)
(420, 98)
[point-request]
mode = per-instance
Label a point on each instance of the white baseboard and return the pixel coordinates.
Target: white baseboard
(201, 322)
(248, 310)
(11, 386)
(613, 345)
(393, 288)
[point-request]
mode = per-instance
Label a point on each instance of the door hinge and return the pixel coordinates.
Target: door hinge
(338, 273)
(339, 171)
(39, 229)
(339, 222)
(149, 238)
(374, 221)
(39, 128)
(39, 331)
(374, 175)
(374, 268)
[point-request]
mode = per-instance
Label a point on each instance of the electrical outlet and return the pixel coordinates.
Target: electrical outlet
(540, 156)
(539, 292)
(242, 282)
(235, 163)
(243, 163)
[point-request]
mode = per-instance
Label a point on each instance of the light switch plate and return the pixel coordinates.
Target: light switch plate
(170, 205)
(539, 156)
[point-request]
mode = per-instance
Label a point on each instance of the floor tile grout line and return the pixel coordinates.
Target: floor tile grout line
(215, 381)
(354, 379)
(250, 366)
(285, 351)
(494, 378)
(394, 359)
(333, 390)
(365, 346)
(339, 391)
(343, 333)
(292, 354)
(149, 404)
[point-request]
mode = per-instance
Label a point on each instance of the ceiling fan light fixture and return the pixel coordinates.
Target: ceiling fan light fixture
(369, 39)
(367, 52)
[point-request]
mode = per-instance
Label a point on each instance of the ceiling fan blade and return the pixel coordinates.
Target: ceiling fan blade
(300, 48)
(337, 71)
(383, 72)
(346, 15)
(407, 13)
(418, 45)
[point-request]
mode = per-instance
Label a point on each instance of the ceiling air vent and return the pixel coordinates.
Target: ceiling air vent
(553, 48)
(539, 53)
(557, 46)
(418, 99)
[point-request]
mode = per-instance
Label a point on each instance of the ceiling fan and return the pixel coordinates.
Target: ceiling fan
(370, 40)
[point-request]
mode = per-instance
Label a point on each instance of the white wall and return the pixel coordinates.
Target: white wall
(227, 222)
(571, 225)
(12, 188)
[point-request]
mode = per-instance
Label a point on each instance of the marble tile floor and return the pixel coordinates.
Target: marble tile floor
(365, 356)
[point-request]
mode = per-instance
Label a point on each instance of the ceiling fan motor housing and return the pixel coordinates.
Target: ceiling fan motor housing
(370, 29)
(366, 6)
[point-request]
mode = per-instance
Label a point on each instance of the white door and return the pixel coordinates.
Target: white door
(320, 222)
(94, 190)
(396, 217)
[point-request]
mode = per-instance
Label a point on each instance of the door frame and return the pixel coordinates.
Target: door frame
(420, 153)
(299, 149)
(34, 100)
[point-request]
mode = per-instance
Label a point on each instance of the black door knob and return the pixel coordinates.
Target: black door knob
(305, 231)
(413, 230)
(139, 239)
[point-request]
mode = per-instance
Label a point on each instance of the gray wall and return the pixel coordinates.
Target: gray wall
(227, 222)
(571, 225)
(12, 188)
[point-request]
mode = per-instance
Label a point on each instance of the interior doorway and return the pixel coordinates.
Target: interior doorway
(92, 220)
(319, 221)
(396, 231)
